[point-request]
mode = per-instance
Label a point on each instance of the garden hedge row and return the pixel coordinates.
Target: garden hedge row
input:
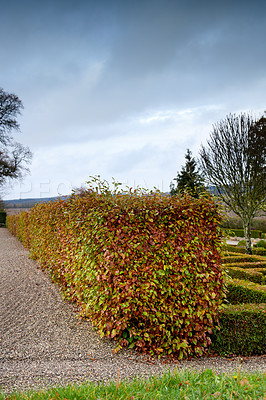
(2, 217)
(145, 268)
(231, 254)
(255, 275)
(242, 326)
(255, 234)
(242, 250)
(231, 223)
(242, 330)
(234, 249)
(246, 265)
(241, 291)
(260, 251)
(242, 259)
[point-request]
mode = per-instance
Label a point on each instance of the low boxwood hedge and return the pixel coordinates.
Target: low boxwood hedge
(241, 291)
(261, 270)
(252, 275)
(242, 330)
(242, 259)
(261, 243)
(234, 249)
(255, 234)
(230, 254)
(246, 265)
(259, 251)
(231, 249)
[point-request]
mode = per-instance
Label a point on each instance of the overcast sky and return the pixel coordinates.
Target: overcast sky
(121, 88)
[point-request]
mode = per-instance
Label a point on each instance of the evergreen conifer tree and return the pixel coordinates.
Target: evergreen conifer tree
(188, 179)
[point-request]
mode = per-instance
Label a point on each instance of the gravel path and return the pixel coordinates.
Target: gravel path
(42, 342)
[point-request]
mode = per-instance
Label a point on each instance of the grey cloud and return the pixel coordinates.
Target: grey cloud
(154, 54)
(127, 160)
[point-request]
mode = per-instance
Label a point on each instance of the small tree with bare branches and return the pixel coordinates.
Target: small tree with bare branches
(13, 156)
(234, 161)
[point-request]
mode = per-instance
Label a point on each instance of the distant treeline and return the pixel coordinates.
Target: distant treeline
(27, 203)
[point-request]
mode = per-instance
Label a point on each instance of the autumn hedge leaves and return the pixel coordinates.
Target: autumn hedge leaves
(145, 268)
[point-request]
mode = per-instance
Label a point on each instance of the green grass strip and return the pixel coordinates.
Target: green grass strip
(186, 385)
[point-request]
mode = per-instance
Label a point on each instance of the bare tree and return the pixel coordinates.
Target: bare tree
(13, 156)
(234, 162)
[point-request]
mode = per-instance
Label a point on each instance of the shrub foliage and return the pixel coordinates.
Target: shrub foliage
(240, 233)
(255, 275)
(145, 268)
(235, 258)
(242, 330)
(260, 251)
(242, 291)
(2, 217)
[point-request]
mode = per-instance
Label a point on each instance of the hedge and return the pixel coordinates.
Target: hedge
(234, 249)
(246, 265)
(145, 268)
(242, 259)
(253, 275)
(242, 330)
(261, 270)
(241, 291)
(261, 243)
(259, 251)
(2, 217)
(231, 254)
(255, 234)
(258, 223)
(242, 250)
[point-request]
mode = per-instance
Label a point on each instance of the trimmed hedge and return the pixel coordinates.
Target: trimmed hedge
(255, 234)
(258, 223)
(2, 217)
(242, 330)
(234, 249)
(231, 254)
(241, 291)
(252, 275)
(242, 259)
(261, 270)
(231, 249)
(246, 265)
(261, 243)
(144, 268)
(259, 251)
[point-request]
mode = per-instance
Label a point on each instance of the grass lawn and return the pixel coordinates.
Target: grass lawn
(186, 385)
